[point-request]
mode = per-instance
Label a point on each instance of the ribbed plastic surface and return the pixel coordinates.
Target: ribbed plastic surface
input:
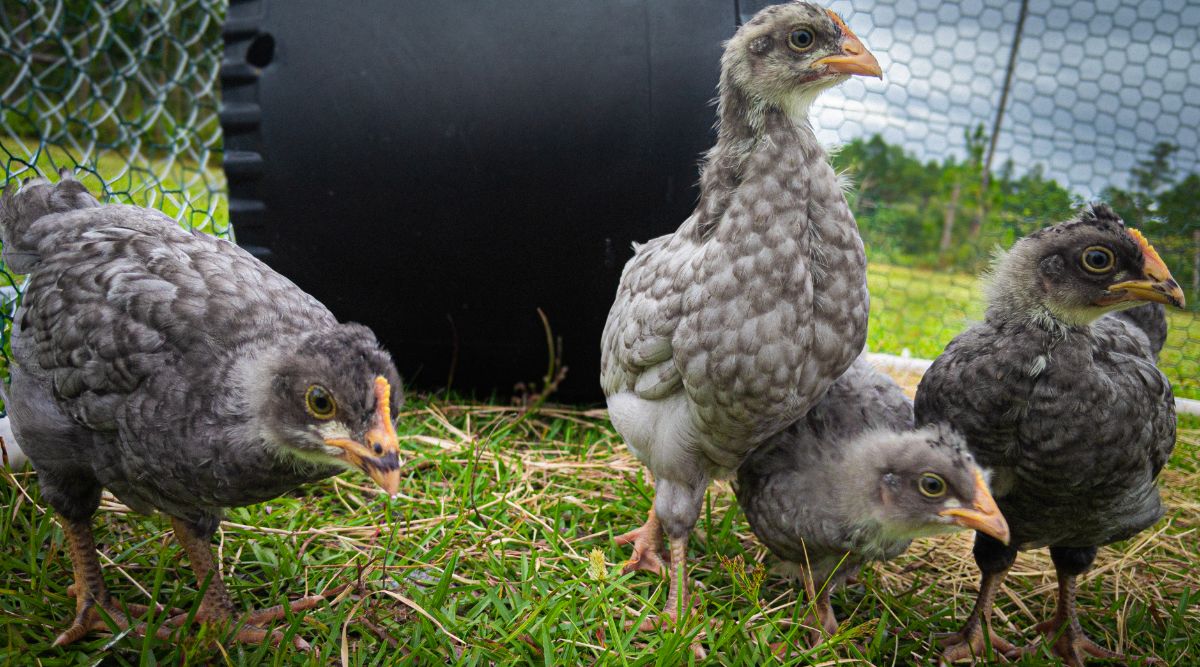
(440, 171)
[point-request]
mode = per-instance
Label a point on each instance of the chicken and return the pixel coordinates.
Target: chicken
(1059, 395)
(732, 327)
(852, 483)
(181, 374)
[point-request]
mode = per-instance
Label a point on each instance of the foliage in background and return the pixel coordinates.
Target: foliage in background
(935, 214)
(134, 78)
(932, 214)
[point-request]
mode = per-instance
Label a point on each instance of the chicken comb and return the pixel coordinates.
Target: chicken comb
(1144, 244)
(840, 23)
(383, 399)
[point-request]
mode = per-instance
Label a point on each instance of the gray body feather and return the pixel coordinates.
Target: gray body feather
(1074, 422)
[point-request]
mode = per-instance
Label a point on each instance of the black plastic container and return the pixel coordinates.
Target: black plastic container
(441, 170)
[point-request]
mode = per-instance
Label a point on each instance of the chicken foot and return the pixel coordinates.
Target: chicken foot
(824, 622)
(217, 606)
(647, 546)
(969, 642)
(91, 595)
(1063, 632)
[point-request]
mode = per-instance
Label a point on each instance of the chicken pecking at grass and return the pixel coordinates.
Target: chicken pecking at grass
(731, 328)
(184, 376)
(852, 483)
(1058, 393)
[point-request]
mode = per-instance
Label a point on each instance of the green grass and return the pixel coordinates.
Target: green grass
(920, 310)
(487, 558)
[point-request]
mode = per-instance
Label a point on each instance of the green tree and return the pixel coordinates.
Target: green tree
(909, 211)
(1179, 208)
(1150, 177)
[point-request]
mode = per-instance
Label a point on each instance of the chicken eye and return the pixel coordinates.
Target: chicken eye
(931, 485)
(319, 402)
(1097, 259)
(801, 40)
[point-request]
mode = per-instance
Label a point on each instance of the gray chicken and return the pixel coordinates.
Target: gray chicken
(731, 328)
(1059, 395)
(181, 374)
(852, 483)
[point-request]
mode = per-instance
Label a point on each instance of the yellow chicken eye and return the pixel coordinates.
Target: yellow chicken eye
(1097, 259)
(931, 485)
(319, 402)
(801, 39)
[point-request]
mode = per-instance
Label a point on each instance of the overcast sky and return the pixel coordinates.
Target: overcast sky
(1096, 84)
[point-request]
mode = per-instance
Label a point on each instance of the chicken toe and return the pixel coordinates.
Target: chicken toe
(217, 606)
(647, 546)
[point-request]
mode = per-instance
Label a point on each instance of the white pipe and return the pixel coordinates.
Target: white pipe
(903, 364)
(1187, 406)
(1183, 406)
(16, 457)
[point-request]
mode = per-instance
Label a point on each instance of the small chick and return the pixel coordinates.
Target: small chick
(851, 483)
(186, 377)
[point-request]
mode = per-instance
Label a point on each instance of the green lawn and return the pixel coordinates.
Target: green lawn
(500, 551)
(921, 311)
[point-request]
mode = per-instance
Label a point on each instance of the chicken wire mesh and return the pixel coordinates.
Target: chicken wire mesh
(1094, 98)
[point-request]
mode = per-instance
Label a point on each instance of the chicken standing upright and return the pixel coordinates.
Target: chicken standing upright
(183, 375)
(852, 483)
(1060, 397)
(731, 328)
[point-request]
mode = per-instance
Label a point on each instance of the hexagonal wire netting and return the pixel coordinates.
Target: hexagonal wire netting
(1095, 100)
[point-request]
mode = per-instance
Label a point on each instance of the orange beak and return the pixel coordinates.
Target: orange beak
(1158, 285)
(379, 455)
(854, 58)
(984, 515)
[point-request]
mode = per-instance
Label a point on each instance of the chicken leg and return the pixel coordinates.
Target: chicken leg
(676, 509)
(217, 606)
(824, 622)
(994, 559)
(820, 619)
(969, 641)
(679, 600)
(1062, 631)
(91, 595)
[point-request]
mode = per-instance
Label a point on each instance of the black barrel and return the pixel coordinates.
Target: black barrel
(439, 171)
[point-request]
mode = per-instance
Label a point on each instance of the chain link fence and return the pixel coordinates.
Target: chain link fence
(995, 118)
